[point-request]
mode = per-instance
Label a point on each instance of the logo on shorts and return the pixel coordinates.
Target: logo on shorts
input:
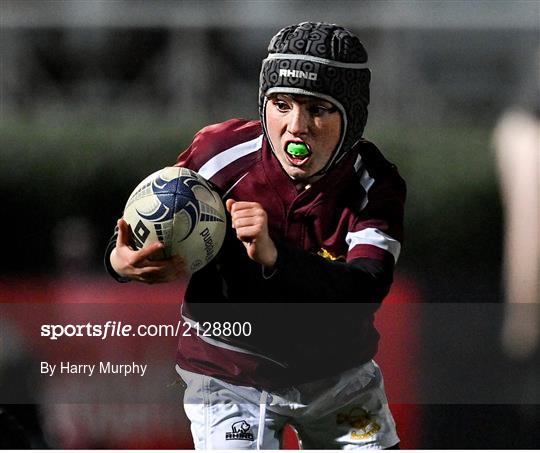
(240, 431)
(363, 427)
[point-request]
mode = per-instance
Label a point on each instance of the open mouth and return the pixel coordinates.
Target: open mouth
(298, 153)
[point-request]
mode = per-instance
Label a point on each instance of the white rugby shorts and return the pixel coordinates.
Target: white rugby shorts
(347, 411)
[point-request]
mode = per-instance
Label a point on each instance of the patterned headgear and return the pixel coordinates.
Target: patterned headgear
(323, 60)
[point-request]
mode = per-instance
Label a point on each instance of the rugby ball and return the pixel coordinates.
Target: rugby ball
(177, 206)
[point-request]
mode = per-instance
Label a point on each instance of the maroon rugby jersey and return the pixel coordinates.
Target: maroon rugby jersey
(338, 241)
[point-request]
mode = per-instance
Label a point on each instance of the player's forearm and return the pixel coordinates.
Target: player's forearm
(313, 278)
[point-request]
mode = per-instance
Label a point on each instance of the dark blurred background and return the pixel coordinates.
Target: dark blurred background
(98, 94)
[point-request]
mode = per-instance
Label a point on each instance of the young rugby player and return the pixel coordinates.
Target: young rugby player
(316, 229)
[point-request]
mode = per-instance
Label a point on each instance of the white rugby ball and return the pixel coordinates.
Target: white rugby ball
(177, 206)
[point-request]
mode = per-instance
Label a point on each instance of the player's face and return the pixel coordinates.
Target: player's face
(307, 120)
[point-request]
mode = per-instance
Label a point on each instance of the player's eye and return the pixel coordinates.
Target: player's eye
(281, 105)
(319, 110)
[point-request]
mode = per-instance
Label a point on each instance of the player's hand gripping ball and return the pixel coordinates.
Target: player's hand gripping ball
(177, 207)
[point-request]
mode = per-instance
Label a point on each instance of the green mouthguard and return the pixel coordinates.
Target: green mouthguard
(297, 149)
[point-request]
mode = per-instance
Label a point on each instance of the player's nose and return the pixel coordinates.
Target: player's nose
(298, 121)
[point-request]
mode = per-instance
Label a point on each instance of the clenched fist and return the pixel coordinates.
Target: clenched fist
(250, 221)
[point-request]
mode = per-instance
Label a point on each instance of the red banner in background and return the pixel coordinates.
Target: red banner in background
(399, 357)
(120, 424)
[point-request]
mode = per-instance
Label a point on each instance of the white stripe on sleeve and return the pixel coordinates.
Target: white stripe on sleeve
(224, 158)
(375, 237)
